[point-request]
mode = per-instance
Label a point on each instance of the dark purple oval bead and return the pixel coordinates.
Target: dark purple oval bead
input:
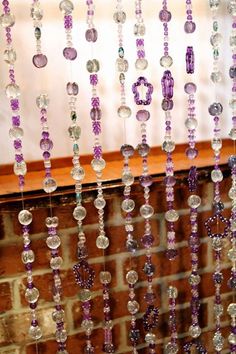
(167, 105)
(40, 60)
(91, 35)
(171, 254)
(95, 114)
(142, 115)
(70, 53)
(165, 16)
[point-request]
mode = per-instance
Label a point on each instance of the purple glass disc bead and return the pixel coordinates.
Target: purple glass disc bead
(127, 150)
(190, 88)
(70, 53)
(72, 88)
(191, 153)
(189, 26)
(147, 240)
(145, 181)
(165, 15)
(91, 35)
(142, 115)
(169, 181)
(39, 60)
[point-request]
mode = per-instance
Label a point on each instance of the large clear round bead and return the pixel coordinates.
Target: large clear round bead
(216, 176)
(77, 173)
(12, 91)
(194, 331)
(16, 133)
(216, 76)
(150, 338)
(52, 221)
(127, 178)
(194, 201)
(58, 315)
(133, 307)
(141, 64)
(79, 213)
(7, 20)
(128, 205)
(85, 295)
(20, 168)
(166, 61)
(105, 277)
(53, 242)
(232, 338)
(27, 257)
(66, 7)
(232, 193)
(99, 203)
(232, 254)
(87, 325)
(32, 295)
(191, 123)
(98, 164)
(102, 242)
(42, 101)
(216, 39)
(35, 332)
(9, 56)
(171, 215)
(218, 341)
(146, 211)
(61, 335)
(124, 112)
(171, 348)
(56, 262)
(49, 185)
(25, 217)
(132, 277)
(36, 12)
(218, 309)
(232, 309)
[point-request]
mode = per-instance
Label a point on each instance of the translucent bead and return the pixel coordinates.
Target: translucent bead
(98, 164)
(7, 20)
(232, 254)
(32, 295)
(191, 123)
(141, 64)
(58, 315)
(218, 341)
(102, 242)
(190, 88)
(215, 109)
(168, 146)
(124, 112)
(150, 338)
(93, 66)
(16, 133)
(232, 103)
(77, 173)
(232, 72)
(166, 61)
(217, 244)
(143, 149)
(105, 277)
(232, 41)
(37, 33)
(216, 144)
(128, 205)
(189, 27)
(53, 242)
(128, 178)
(127, 150)
(70, 53)
(172, 292)
(232, 193)
(232, 7)
(66, 7)
(216, 39)
(216, 176)
(9, 56)
(85, 295)
(194, 331)
(122, 65)
(52, 221)
(132, 277)
(42, 101)
(40, 60)
(27, 257)
(142, 115)
(214, 4)
(194, 201)
(119, 17)
(72, 88)
(79, 213)
(12, 91)
(165, 16)
(35, 332)
(232, 309)
(171, 215)
(20, 168)
(139, 29)
(25, 217)
(56, 262)
(232, 336)
(216, 76)
(36, 12)
(49, 185)
(146, 211)
(99, 203)
(194, 279)
(233, 225)
(61, 335)
(87, 325)
(91, 35)
(74, 132)
(232, 134)
(218, 310)
(171, 348)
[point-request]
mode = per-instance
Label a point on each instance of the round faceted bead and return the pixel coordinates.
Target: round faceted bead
(42, 101)
(165, 15)
(189, 26)
(7, 20)
(99, 203)
(150, 338)
(171, 215)
(142, 115)
(70, 53)
(49, 185)
(128, 205)
(171, 348)
(74, 132)
(139, 29)
(133, 307)
(217, 244)
(16, 133)
(232, 338)
(72, 88)
(168, 146)
(141, 64)
(66, 7)
(119, 17)
(172, 292)
(232, 309)
(32, 295)
(53, 242)
(167, 104)
(20, 168)
(146, 211)
(27, 257)
(218, 309)
(35, 332)
(25, 217)
(191, 153)
(52, 221)
(93, 66)
(77, 173)
(58, 315)
(194, 201)
(9, 56)
(191, 123)
(214, 4)
(87, 325)
(132, 246)
(218, 341)
(61, 335)
(91, 35)
(194, 279)
(40, 60)
(132, 277)
(147, 240)
(232, 134)
(216, 144)
(145, 180)
(98, 164)
(233, 225)
(79, 213)
(127, 150)
(166, 61)
(122, 65)
(85, 295)
(102, 242)
(232, 7)
(169, 181)
(12, 91)
(216, 39)
(36, 12)
(232, 254)
(215, 109)
(216, 76)
(190, 88)
(143, 149)
(105, 277)
(194, 331)
(127, 178)
(124, 112)
(216, 176)
(46, 144)
(232, 193)
(56, 262)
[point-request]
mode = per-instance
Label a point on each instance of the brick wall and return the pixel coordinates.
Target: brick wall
(14, 319)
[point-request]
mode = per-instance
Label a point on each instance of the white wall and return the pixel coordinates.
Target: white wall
(54, 77)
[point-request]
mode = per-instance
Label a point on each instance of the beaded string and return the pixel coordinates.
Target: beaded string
(98, 164)
(128, 204)
(25, 217)
(213, 223)
(83, 272)
(39, 60)
(150, 318)
(232, 192)
(168, 146)
(53, 240)
(194, 201)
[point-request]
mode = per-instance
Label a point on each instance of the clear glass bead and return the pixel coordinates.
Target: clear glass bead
(85, 295)
(232, 254)
(98, 164)
(87, 325)
(9, 56)
(146, 211)
(141, 64)
(166, 61)
(139, 29)
(232, 193)
(20, 168)
(66, 7)
(127, 178)
(42, 101)
(12, 91)
(194, 279)
(63, 351)
(128, 205)
(105, 277)
(133, 307)
(53, 242)
(194, 201)
(61, 335)
(36, 12)
(150, 338)
(172, 292)
(25, 217)
(218, 310)
(93, 66)
(171, 348)
(74, 132)
(171, 215)
(56, 262)
(217, 243)
(7, 20)
(216, 144)
(52, 221)
(232, 338)
(99, 203)
(216, 176)
(124, 112)
(232, 104)
(214, 4)
(119, 17)
(49, 185)
(191, 123)
(232, 309)
(122, 65)
(216, 39)
(27, 257)
(102, 242)
(35, 332)
(218, 341)
(58, 315)
(194, 331)
(232, 134)
(232, 7)
(233, 225)
(132, 277)
(232, 41)
(168, 146)
(16, 133)
(79, 213)
(78, 173)
(216, 77)
(32, 295)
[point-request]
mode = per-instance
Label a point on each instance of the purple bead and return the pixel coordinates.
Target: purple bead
(167, 104)
(15, 104)
(132, 246)
(68, 21)
(169, 181)
(19, 158)
(96, 127)
(46, 155)
(190, 60)
(127, 150)
(232, 72)
(145, 181)
(189, 26)
(142, 115)
(171, 253)
(46, 144)
(91, 35)
(93, 79)
(167, 83)
(70, 53)
(108, 348)
(147, 240)
(191, 153)
(40, 60)
(218, 278)
(82, 252)
(149, 269)
(215, 109)
(97, 152)
(143, 149)
(72, 88)
(165, 15)
(16, 121)
(95, 113)
(190, 88)
(232, 161)
(134, 335)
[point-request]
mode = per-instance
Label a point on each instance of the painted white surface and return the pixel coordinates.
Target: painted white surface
(53, 78)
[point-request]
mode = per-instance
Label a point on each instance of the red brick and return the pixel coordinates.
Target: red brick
(5, 297)
(11, 265)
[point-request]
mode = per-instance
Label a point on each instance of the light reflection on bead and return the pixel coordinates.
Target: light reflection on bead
(25, 217)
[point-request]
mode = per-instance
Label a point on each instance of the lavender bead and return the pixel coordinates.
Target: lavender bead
(190, 88)
(190, 60)
(72, 88)
(40, 60)
(127, 150)
(91, 35)
(145, 181)
(165, 15)
(215, 109)
(70, 53)
(191, 153)
(189, 26)
(142, 115)
(167, 104)
(167, 82)
(147, 240)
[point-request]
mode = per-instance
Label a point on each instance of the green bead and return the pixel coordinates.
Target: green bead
(215, 26)
(121, 52)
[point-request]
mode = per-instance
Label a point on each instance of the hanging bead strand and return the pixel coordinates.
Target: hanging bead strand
(67, 7)
(53, 240)
(39, 60)
(98, 164)
(7, 20)
(150, 318)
